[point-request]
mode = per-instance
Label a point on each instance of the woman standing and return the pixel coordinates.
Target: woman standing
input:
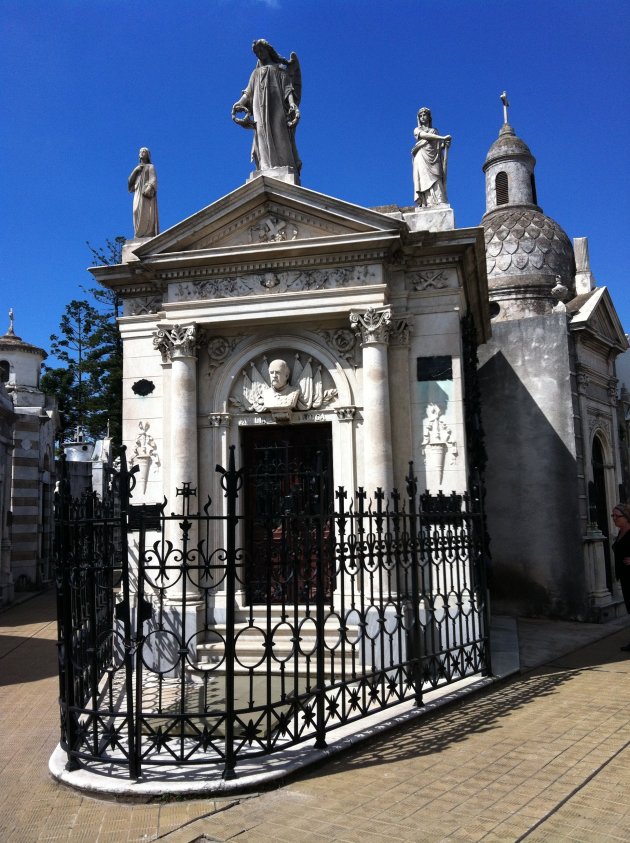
(621, 549)
(429, 162)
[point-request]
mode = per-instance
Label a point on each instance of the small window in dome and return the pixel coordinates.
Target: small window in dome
(501, 187)
(534, 197)
(5, 370)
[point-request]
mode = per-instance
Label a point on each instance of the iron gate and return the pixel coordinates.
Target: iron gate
(165, 660)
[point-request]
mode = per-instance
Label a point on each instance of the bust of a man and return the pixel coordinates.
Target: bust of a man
(280, 395)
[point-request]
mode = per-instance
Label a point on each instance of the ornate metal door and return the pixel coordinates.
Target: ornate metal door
(288, 503)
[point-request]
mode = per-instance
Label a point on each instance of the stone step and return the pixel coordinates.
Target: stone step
(250, 646)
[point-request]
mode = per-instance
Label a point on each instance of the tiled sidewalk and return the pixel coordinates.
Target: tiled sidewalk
(541, 757)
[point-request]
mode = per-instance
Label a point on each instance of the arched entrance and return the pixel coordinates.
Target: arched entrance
(288, 505)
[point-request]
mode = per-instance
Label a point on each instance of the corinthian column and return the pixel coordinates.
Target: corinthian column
(373, 326)
(178, 345)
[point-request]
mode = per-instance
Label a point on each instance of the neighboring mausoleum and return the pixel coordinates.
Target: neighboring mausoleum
(548, 392)
(27, 435)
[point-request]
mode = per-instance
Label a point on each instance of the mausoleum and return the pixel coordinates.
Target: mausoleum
(549, 395)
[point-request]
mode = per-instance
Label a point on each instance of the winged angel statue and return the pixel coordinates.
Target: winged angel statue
(274, 388)
(270, 106)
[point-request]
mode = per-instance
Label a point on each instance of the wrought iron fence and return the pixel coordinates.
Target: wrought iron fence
(200, 638)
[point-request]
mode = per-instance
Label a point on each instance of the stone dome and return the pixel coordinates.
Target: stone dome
(522, 241)
(507, 145)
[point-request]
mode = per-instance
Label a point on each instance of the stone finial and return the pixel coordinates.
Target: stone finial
(584, 280)
(10, 331)
(560, 293)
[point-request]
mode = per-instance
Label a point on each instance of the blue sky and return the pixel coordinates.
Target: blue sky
(87, 82)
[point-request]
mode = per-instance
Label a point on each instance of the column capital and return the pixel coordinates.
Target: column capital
(373, 326)
(176, 342)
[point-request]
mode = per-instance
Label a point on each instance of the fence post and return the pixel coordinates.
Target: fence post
(63, 561)
(124, 481)
(231, 482)
(320, 603)
(480, 564)
(416, 653)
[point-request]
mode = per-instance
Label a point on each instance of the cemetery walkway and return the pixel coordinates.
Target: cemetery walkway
(541, 756)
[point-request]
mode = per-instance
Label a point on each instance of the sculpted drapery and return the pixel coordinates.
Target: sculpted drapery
(143, 184)
(429, 162)
(270, 104)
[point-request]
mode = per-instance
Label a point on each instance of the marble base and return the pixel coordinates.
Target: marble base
(129, 247)
(287, 174)
(435, 218)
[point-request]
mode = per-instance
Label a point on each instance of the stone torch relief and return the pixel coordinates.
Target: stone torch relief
(145, 456)
(279, 388)
(437, 443)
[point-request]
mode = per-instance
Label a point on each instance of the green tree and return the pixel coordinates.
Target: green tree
(88, 384)
(106, 363)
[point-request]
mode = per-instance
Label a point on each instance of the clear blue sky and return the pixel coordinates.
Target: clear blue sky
(87, 82)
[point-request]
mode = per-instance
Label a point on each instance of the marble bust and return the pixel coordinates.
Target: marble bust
(277, 387)
(280, 394)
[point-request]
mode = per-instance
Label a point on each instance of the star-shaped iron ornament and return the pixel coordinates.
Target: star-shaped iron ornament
(308, 715)
(354, 699)
(251, 732)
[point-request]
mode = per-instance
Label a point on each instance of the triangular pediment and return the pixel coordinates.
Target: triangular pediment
(267, 211)
(595, 314)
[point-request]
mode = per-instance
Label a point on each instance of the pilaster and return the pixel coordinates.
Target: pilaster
(374, 328)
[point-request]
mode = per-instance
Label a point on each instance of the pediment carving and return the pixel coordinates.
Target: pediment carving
(269, 223)
(265, 212)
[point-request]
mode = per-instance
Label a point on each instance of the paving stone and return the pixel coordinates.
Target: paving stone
(542, 754)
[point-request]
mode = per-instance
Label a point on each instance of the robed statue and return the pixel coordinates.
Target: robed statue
(270, 106)
(143, 184)
(430, 157)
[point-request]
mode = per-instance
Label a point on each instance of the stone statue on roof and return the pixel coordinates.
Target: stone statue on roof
(270, 106)
(143, 184)
(430, 157)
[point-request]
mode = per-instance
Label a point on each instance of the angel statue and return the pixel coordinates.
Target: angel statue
(270, 106)
(275, 389)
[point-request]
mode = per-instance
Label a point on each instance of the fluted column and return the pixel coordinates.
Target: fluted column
(373, 327)
(179, 346)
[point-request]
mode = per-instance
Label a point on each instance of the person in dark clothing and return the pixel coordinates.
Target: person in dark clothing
(621, 549)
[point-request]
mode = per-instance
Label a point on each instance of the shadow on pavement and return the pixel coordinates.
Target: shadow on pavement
(26, 659)
(36, 608)
(447, 726)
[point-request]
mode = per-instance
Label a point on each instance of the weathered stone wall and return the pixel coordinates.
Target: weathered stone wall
(532, 474)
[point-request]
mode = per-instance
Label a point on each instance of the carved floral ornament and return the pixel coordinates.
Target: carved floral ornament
(219, 349)
(145, 455)
(373, 326)
(343, 343)
(178, 341)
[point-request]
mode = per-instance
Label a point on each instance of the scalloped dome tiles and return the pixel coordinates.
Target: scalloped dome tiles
(526, 242)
